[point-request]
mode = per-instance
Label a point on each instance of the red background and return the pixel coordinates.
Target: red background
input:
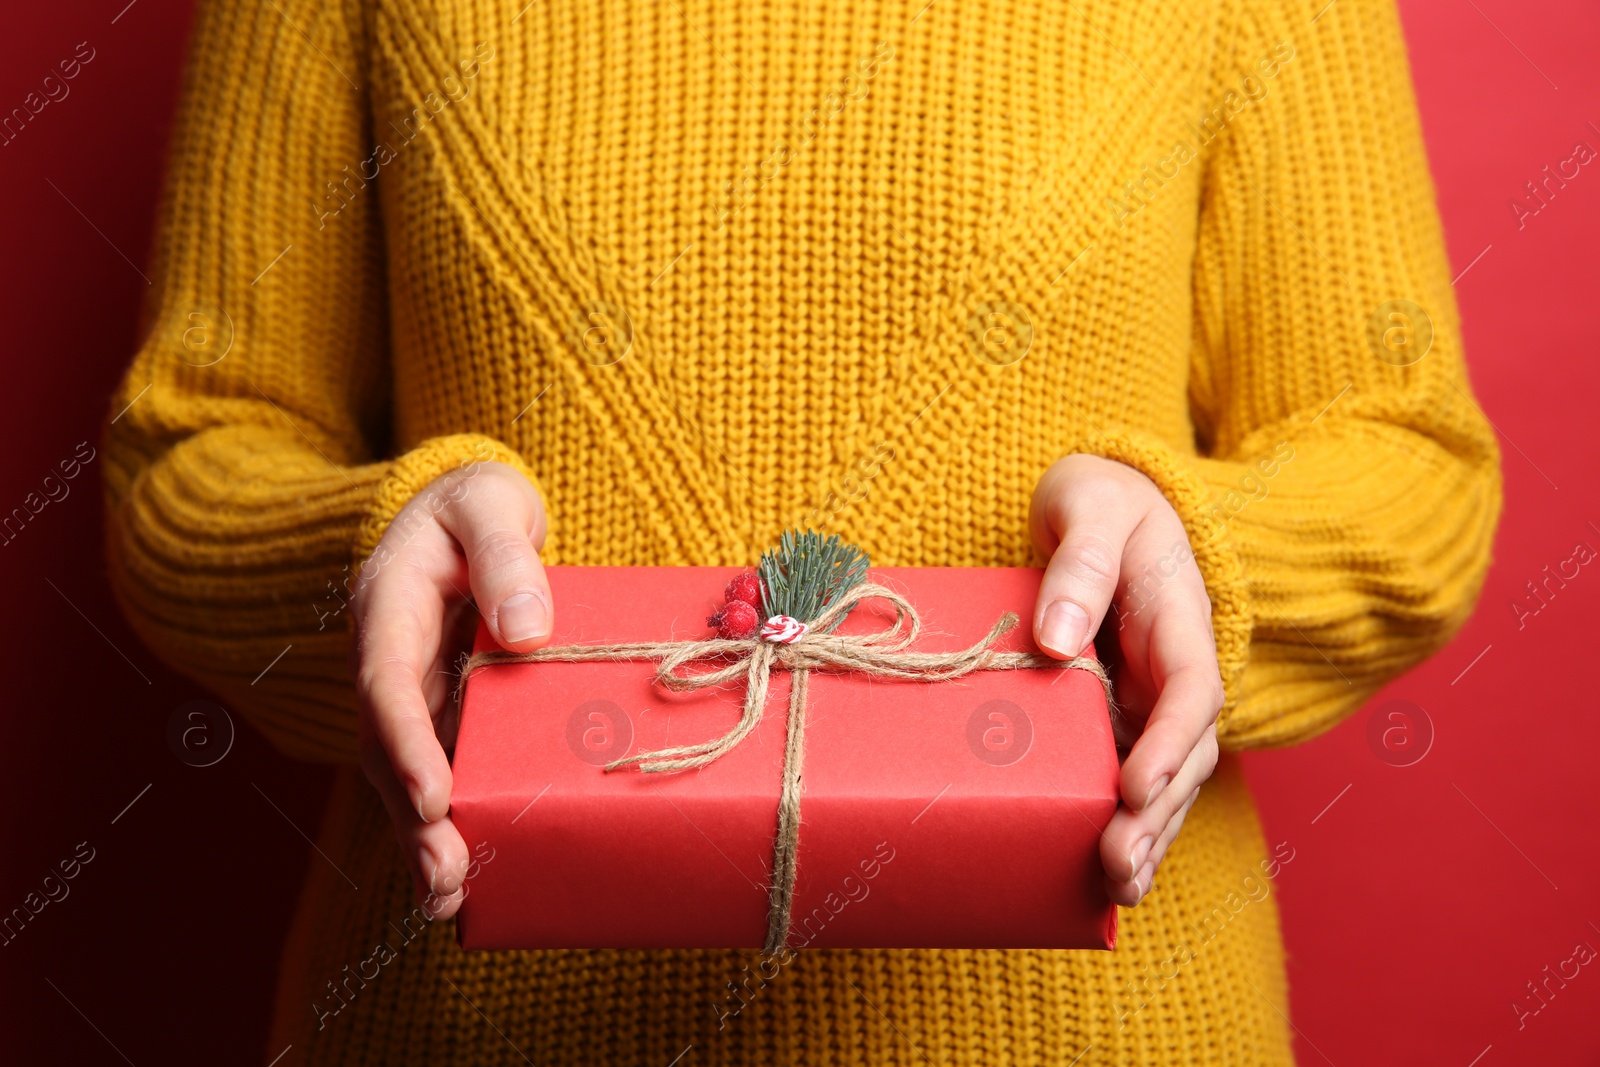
(1418, 904)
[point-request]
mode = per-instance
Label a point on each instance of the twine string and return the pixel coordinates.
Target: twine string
(880, 654)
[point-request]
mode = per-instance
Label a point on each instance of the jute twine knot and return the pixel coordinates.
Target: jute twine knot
(880, 655)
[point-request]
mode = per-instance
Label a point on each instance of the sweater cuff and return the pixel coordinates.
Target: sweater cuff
(412, 472)
(1180, 481)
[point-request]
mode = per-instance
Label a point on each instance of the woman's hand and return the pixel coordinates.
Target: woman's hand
(1112, 538)
(479, 529)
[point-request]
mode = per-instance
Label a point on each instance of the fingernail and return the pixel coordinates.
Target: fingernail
(1145, 879)
(1155, 790)
(1065, 628)
(428, 863)
(1141, 852)
(524, 616)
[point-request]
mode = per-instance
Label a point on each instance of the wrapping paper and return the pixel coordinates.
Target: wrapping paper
(961, 814)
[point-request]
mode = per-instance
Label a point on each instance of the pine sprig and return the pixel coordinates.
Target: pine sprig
(807, 572)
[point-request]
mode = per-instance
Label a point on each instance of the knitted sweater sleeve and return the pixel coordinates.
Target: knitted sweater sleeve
(244, 474)
(1344, 502)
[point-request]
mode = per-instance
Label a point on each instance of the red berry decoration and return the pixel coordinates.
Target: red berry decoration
(737, 621)
(746, 588)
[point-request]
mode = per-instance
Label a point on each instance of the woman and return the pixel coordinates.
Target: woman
(1156, 294)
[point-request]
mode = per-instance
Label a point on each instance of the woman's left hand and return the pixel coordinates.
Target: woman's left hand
(1112, 539)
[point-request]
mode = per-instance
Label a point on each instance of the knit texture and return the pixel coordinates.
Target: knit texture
(706, 270)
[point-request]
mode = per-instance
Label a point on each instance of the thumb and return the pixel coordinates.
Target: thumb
(499, 521)
(1082, 575)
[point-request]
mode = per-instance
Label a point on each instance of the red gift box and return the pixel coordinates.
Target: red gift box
(957, 814)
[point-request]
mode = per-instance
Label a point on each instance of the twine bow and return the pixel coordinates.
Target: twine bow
(815, 647)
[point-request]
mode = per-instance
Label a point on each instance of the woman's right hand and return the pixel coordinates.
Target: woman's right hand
(472, 536)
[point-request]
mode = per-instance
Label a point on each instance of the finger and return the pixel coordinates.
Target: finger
(1183, 664)
(1130, 893)
(1130, 839)
(435, 852)
(461, 623)
(1170, 834)
(498, 519)
(401, 627)
(1093, 519)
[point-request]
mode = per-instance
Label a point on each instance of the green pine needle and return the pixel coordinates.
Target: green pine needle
(806, 573)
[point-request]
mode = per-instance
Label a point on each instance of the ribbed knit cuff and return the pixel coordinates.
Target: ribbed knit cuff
(413, 471)
(1180, 481)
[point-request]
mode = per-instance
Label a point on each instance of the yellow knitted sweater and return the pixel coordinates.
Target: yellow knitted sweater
(709, 269)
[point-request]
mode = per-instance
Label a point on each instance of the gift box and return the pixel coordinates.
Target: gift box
(937, 814)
